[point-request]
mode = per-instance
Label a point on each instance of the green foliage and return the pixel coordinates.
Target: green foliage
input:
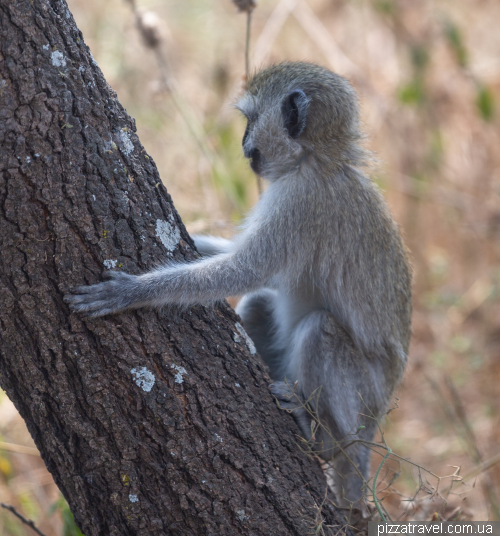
(454, 38)
(29, 505)
(439, 265)
(476, 361)
(5, 467)
(419, 57)
(437, 300)
(436, 149)
(412, 93)
(387, 7)
(11, 525)
(438, 359)
(485, 102)
(236, 179)
(460, 343)
(69, 525)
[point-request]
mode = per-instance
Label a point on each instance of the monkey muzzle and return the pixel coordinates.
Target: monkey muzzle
(255, 160)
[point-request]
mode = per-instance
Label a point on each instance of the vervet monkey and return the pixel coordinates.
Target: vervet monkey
(319, 260)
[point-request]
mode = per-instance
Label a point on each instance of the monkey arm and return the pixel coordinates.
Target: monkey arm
(203, 281)
(211, 245)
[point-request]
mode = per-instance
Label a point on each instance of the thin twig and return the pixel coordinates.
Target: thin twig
(271, 30)
(247, 45)
(374, 490)
(152, 39)
(22, 518)
(485, 466)
(19, 448)
(457, 416)
(247, 74)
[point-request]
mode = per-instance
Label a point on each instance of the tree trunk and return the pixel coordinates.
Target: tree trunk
(150, 422)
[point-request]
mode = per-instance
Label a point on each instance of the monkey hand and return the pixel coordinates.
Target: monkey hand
(118, 293)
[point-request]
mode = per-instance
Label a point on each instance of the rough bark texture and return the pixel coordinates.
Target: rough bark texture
(151, 423)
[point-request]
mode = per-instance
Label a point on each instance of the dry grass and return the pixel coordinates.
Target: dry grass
(428, 76)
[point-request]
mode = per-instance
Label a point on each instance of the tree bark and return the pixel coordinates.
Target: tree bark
(150, 422)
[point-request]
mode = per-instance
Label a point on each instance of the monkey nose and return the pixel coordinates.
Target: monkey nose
(250, 152)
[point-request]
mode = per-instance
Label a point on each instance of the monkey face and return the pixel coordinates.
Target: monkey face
(296, 110)
(271, 139)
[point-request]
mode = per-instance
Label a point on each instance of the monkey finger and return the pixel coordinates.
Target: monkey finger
(82, 289)
(92, 307)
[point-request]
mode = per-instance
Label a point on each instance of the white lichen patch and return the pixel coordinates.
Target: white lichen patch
(180, 372)
(45, 47)
(219, 438)
(58, 59)
(109, 263)
(92, 58)
(143, 378)
(242, 334)
(168, 234)
(133, 498)
(126, 143)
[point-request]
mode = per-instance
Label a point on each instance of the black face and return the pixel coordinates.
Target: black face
(255, 161)
(245, 136)
(253, 154)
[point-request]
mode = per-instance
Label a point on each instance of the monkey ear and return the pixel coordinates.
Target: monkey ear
(294, 110)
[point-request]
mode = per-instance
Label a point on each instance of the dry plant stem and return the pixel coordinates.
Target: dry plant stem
(194, 126)
(455, 413)
(488, 485)
(472, 298)
(307, 406)
(247, 76)
(247, 45)
(28, 522)
(271, 30)
(488, 464)
(374, 489)
(20, 449)
(321, 36)
(394, 455)
(389, 454)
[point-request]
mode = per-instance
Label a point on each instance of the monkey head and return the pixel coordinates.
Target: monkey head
(295, 111)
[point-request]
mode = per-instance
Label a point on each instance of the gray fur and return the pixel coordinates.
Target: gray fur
(322, 264)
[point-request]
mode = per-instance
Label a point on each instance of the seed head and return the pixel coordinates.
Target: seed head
(149, 26)
(245, 5)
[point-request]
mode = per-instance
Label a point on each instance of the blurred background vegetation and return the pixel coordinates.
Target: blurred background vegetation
(428, 78)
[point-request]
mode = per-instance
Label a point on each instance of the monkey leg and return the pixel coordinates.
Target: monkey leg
(257, 310)
(343, 390)
(208, 245)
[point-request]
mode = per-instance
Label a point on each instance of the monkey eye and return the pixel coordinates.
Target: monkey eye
(294, 110)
